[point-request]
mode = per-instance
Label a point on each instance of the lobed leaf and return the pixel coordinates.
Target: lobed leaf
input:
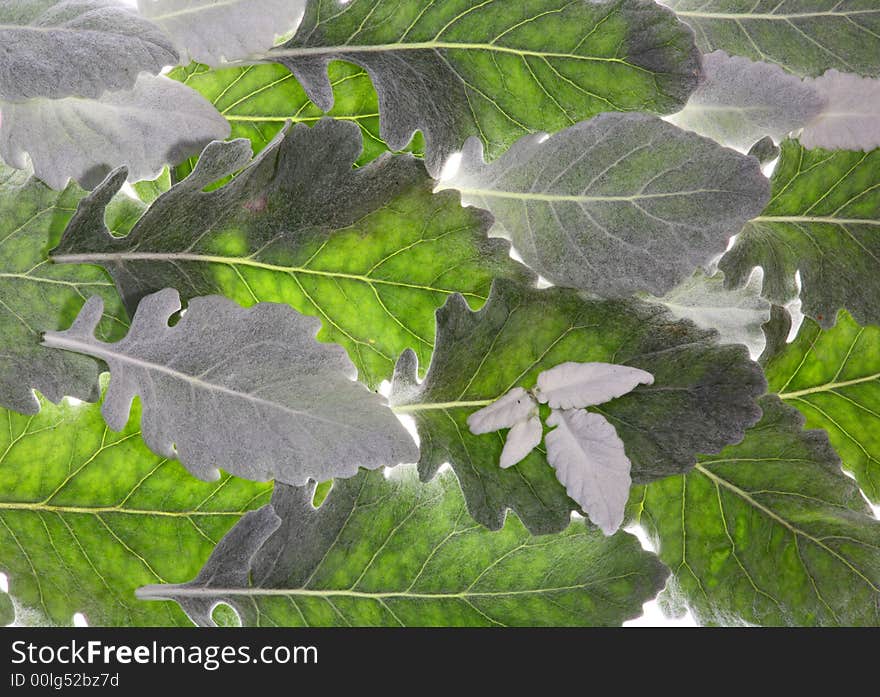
(495, 70)
(87, 516)
(769, 532)
(284, 229)
(702, 399)
(221, 367)
(822, 220)
(395, 552)
(615, 205)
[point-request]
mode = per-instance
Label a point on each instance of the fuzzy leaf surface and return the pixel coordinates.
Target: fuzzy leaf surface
(703, 396)
(619, 204)
(496, 70)
(156, 122)
(75, 48)
(823, 220)
(284, 229)
(211, 32)
(740, 101)
(246, 390)
(769, 532)
(396, 552)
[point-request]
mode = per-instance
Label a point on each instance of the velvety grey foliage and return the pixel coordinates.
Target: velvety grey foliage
(208, 31)
(75, 48)
(615, 205)
(497, 70)
(157, 122)
(851, 119)
(739, 101)
(222, 366)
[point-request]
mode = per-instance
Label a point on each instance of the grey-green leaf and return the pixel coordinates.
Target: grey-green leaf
(36, 295)
(285, 229)
(75, 48)
(496, 70)
(395, 552)
(806, 37)
(211, 32)
(739, 101)
(769, 532)
(615, 205)
(157, 122)
(822, 221)
(703, 397)
(738, 314)
(248, 391)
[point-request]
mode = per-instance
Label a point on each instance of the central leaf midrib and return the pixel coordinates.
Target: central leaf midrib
(739, 16)
(582, 198)
(102, 351)
(793, 529)
(443, 45)
(822, 219)
(98, 257)
(41, 507)
(828, 387)
(179, 592)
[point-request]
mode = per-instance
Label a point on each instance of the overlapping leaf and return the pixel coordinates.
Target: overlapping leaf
(738, 314)
(768, 532)
(88, 515)
(396, 552)
(703, 396)
(739, 101)
(849, 121)
(833, 378)
(823, 220)
(36, 295)
(211, 31)
(618, 204)
(221, 367)
(284, 230)
(157, 122)
(496, 70)
(75, 48)
(257, 100)
(805, 37)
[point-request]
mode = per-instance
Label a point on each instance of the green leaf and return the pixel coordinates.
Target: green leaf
(258, 100)
(703, 396)
(833, 378)
(7, 610)
(823, 220)
(806, 37)
(247, 390)
(88, 515)
(36, 295)
(396, 552)
(496, 70)
(372, 252)
(768, 532)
